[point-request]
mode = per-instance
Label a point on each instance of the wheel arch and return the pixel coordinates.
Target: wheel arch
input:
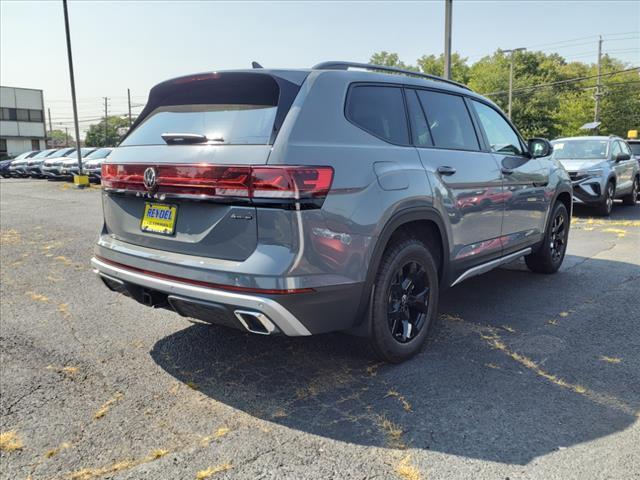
(410, 222)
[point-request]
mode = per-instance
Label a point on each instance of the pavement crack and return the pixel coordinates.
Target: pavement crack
(15, 403)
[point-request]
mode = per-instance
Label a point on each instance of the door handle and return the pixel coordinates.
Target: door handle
(446, 170)
(507, 171)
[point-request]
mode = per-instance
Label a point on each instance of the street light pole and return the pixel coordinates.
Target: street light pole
(73, 90)
(512, 51)
(598, 94)
(448, 6)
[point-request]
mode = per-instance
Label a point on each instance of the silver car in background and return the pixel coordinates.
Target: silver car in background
(69, 165)
(601, 169)
(18, 167)
(92, 165)
(52, 166)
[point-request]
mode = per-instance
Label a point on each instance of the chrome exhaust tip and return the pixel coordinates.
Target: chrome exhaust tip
(255, 322)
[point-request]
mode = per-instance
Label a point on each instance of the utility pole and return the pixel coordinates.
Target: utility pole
(129, 102)
(512, 52)
(73, 90)
(448, 6)
(50, 127)
(598, 94)
(66, 136)
(106, 116)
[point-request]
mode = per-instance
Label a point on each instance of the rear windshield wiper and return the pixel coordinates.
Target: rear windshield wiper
(184, 138)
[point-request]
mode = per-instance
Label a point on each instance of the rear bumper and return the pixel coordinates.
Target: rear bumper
(231, 302)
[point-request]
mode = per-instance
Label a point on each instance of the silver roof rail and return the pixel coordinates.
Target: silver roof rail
(382, 68)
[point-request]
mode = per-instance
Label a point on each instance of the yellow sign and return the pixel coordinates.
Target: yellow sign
(632, 134)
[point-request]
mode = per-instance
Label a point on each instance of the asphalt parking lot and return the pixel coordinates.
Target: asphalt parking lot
(524, 376)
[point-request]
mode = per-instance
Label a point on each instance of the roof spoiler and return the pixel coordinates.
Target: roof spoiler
(368, 66)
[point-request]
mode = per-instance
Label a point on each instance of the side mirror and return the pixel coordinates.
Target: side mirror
(540, 147)
(622, 156)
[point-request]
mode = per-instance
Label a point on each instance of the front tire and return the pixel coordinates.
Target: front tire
(405, 300)
(632, 198)
(550, 255)
(604, 209)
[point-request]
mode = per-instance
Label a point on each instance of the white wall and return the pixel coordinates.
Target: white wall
(16, 146)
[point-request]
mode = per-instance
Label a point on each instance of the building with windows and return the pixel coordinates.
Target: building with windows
(22, 126)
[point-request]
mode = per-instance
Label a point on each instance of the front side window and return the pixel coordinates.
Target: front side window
(625, 148)
(380, 111)
(448, 120)
(615, 149)
(502, 138)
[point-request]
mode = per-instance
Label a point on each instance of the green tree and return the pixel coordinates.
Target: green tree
(435, 66)
(96, 133)
(388, 59)
(58, 138)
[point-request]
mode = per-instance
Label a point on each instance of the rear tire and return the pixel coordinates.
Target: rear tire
(632, 198)
(405, 300)
(549, 257)
(604, 209)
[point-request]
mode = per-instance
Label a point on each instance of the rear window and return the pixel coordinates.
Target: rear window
(227, 108)
(221, 124)
(449, 121)
(380, 111)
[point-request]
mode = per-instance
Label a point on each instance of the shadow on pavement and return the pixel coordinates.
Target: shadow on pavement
(471, 392)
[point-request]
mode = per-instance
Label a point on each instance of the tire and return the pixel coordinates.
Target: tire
(632, 198)
(604, 209)
(550, 255)
(405, 300)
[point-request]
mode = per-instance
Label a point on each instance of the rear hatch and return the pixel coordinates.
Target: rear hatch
(171, 184)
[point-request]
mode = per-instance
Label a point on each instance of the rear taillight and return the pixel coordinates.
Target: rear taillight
(278, 186)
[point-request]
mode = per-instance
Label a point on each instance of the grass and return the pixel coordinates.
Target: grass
(406, 470)
(10, 441)
(405, 404)
(211, 471)
(392, 431)
(107, 405)
(604, 358)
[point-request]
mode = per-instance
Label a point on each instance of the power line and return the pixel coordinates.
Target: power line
(561, 82)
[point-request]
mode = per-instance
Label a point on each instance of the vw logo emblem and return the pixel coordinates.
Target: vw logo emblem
(150, 180)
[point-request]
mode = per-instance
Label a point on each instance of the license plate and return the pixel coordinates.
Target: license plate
(159, 218)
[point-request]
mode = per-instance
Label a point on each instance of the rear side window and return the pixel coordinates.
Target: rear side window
(502, 138)
(380, 111)
(448, 120)
(419, 128)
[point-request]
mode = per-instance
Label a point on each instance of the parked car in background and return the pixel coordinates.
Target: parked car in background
(52, 166)
(4, 168)
(601, 170)
(634, 144)
(93, 164)
(34, 165)
(19, 163)
(23, 169)
(69, 165)
(341, 213)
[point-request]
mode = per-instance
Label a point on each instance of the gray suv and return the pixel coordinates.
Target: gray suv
(601, 169)
(308, 201)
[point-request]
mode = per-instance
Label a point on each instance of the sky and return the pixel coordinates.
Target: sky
(136, 44)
